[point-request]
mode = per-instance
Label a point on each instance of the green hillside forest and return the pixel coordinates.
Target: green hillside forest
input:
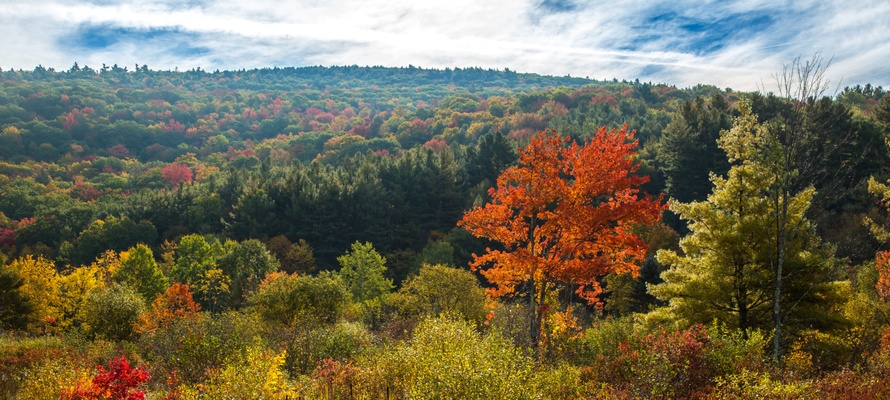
(405, 233)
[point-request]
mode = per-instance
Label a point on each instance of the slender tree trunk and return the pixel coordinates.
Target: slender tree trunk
(781, 227)
(535, 322)
(743, 311)
(538, 311)
(534, 327)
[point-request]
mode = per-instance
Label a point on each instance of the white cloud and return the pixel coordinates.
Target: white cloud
(662, 41)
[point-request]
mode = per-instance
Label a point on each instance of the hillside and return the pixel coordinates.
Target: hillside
(313, 213)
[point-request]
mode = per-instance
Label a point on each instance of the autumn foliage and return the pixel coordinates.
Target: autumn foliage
(176, 174)
(118, 382)
(175, 304)
(565, 214)
(882, 263)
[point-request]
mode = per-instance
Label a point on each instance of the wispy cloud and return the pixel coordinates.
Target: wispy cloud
(729, 44)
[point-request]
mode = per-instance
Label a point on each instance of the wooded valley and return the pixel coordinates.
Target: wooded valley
(369, 232)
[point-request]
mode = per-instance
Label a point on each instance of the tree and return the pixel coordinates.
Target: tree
(15, 307)
(362, 271)
(75, 287)
(194, 256)
(112, 312)
(806, 144)
(688, 148)
(140, 271)
(294, 257)
(725, 271)
(246, 264)
(252, 216)
(40, 284)
(289, 299)
(564, 216)
(492, 156)
(440, 289)
(176, 174)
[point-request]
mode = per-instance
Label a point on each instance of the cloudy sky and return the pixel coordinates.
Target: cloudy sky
(737, 44)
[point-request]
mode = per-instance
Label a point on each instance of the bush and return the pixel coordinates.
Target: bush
(448, 358)
(439, 289)
(119, 381)
(286, 298)
(604, 338)
(192, 347)
(51, 377)
(254, 374)
(20, 355)
(111, 313)
(680, 364)
(342, 342)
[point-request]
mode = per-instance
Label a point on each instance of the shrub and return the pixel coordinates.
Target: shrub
(254, 374)
(286, 298)
(18, 356)
(195, 346)
(759, 385)
(342, 342)
(174, 304)
(52, 377)
(111, 313)
(119, 381)
(448, 358)
(680, 364)
(439, 289)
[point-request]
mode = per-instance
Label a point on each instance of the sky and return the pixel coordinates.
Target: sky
(736, 44)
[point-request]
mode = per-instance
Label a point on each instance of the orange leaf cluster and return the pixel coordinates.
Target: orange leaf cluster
(565, 214)
(882, 263)
(175, 304)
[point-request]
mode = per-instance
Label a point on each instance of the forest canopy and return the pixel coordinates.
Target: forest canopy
(302, 225)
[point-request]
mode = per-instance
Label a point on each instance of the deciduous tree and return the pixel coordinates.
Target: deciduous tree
(140, 271)
(564, 216)
(40, 284)
(362, 271)
(176, 174)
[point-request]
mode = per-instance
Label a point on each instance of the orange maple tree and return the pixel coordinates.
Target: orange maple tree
(175, 304)
(564, 215)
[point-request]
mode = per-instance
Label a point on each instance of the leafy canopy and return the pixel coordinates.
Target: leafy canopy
(565, 214)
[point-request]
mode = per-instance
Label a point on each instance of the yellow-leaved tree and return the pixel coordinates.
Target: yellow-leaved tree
(40, 284)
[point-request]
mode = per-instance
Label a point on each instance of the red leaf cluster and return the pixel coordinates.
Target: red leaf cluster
(118, 382)
(176, 174)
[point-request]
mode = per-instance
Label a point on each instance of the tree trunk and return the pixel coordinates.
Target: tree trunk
(781, 226)
(537, 314)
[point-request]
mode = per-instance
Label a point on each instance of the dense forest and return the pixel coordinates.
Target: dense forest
(370, 232)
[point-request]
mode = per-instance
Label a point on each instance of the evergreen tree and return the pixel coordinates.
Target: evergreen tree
(15, 308)
(728, 269)
(688, 148)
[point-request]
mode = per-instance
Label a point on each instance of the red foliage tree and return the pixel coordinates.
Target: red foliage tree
(176, 174)
(119, 151)
(564, 215)
(436, 144)
(7, 237)
(118, 382)
(70, 120)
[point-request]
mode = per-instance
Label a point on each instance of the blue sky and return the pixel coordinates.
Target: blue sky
(738, 44)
